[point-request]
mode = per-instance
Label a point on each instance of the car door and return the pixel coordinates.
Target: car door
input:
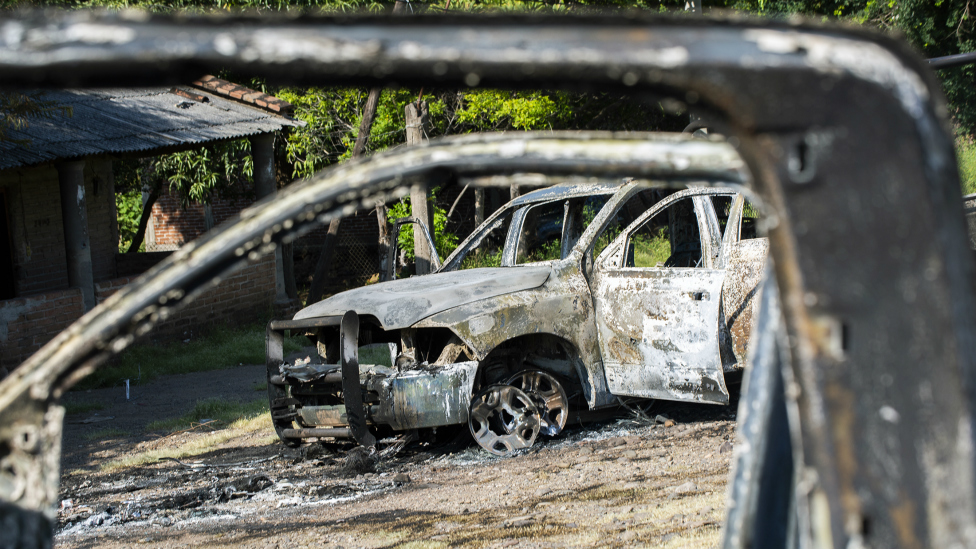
(744, 253)
(657, 295)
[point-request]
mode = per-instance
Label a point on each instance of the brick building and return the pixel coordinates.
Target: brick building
(58, 222)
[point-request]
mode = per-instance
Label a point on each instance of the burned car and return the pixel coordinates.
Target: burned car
(576, 294)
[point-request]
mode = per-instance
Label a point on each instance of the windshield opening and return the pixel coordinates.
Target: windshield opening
(550, 231)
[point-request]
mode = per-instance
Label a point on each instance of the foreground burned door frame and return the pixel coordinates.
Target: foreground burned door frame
(844, 132)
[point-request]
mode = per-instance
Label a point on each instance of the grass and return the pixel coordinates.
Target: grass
(377, 353)
(966, 153)
(219, 349)
(651, 250)
(225, 412)
(82, 407)
(199, 444)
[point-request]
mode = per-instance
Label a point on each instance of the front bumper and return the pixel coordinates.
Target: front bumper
(360, 398)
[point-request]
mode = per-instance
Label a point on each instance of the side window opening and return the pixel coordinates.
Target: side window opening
(627, 214)
(487, 252)
(550, 231)
(541, 235)
(723, 208)
(750, 219)
(669, 239)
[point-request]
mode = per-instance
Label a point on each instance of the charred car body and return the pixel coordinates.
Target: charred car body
(592, 291)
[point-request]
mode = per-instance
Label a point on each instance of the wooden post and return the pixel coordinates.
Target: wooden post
(74, 218)
(416, 118)
(479, 207)
(513, 192)
(265, 184)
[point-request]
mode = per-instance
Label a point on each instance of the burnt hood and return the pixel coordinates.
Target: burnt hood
(402, 303)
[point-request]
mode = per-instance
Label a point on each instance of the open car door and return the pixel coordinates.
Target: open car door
(657, 299)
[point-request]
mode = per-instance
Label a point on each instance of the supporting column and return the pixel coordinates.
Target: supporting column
(262, 152)
(74, 218)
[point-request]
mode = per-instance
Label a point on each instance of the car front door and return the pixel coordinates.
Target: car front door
(657, 294)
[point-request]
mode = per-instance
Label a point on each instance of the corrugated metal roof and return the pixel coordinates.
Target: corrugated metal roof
(133, 120)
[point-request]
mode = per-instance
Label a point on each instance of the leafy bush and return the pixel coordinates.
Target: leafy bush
(129, 208)
(966, 153)
(444, 241)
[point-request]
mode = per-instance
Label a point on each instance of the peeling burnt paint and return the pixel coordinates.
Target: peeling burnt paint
(429, 397)
(740, 293)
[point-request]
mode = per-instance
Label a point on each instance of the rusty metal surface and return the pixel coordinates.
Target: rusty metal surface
(844, 131)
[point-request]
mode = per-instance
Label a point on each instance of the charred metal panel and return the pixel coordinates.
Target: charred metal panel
(658, 331)
(333, 416)
(561, 307)
(740, 293)
(402, 303)
(427, 398)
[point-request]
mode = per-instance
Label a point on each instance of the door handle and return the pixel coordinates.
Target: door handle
(699, 296)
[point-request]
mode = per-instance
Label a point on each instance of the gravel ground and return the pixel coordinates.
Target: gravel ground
(615, 483)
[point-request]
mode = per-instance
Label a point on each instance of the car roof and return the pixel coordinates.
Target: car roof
(570, 190)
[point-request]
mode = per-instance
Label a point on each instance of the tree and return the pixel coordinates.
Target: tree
(17, 109)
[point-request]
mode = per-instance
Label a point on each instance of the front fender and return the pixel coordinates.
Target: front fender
(562, 307)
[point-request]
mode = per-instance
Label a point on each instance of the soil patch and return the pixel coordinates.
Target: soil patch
(614, 483)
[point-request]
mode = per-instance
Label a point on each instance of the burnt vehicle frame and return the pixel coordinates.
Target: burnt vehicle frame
(844, 132)
(582, 319)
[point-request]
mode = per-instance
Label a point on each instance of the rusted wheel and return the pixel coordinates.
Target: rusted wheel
(549, 397)
(503, 419)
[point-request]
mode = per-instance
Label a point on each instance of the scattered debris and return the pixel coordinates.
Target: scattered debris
(360, 460)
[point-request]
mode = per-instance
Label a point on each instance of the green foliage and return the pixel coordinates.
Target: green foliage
(219, 349)
(444, 241)
(651, 249)
(547, 251)
(480, 258)
(966, 154)
(128, 204)
(533, 110)
(201, 174)
(18, 109)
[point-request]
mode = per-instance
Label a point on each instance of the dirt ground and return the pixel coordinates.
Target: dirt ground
(617, 482)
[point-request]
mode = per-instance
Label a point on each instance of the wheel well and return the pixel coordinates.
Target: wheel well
(546, 352)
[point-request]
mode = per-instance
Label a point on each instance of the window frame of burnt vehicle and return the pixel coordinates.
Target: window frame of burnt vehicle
(442, 367)
(846, 137)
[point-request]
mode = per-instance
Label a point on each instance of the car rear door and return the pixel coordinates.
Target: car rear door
(657, 293)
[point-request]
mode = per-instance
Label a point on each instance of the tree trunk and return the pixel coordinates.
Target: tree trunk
(321, 275)
(144, 220)
(416, 119)
(479, 207)
(331, 240)
(325, 261)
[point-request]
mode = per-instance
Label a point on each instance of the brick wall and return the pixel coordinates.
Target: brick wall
(27, 323)
(242, 297)
(34, 210)
(174, 226)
